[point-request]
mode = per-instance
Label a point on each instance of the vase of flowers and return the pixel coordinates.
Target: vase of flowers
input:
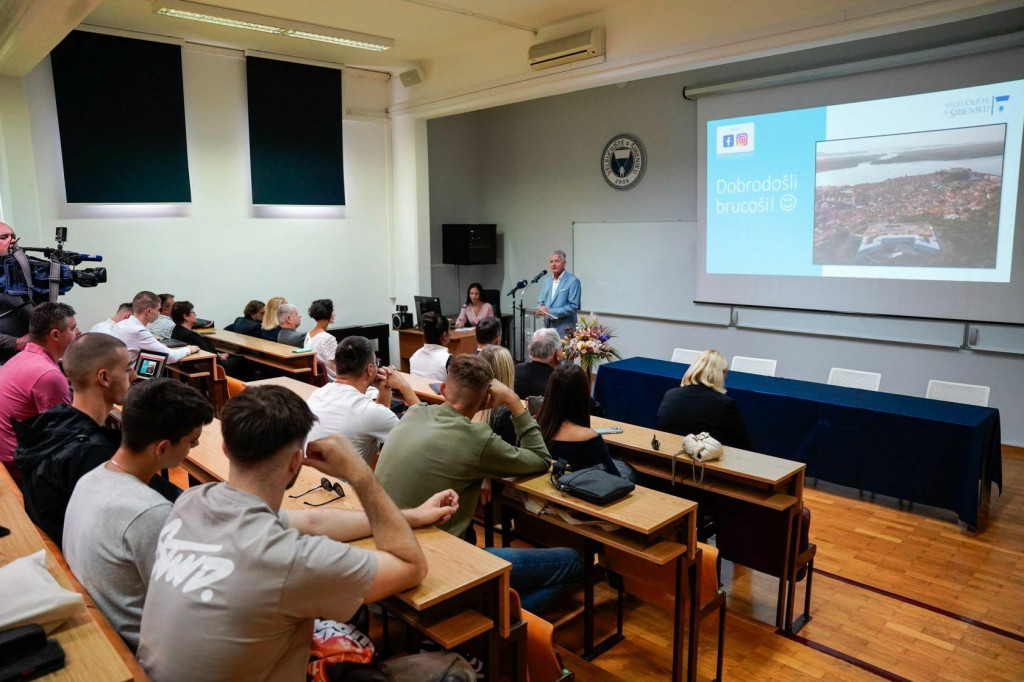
(589, 341)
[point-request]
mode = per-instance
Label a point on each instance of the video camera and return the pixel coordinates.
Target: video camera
(50, 276)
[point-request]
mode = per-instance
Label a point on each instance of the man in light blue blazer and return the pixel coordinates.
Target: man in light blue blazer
(559, 296)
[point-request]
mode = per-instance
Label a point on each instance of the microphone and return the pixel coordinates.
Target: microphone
(537, 278)
(521, 284)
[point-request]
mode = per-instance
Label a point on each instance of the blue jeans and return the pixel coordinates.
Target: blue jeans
(540, 575)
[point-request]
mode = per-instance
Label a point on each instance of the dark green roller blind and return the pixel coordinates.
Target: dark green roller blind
(295, 143)
(121, 115)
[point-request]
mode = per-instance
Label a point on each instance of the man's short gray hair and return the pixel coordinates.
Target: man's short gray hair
(544, 344)
(284, 310)
(559, 252)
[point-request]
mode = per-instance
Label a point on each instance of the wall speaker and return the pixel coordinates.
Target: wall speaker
(411, 78)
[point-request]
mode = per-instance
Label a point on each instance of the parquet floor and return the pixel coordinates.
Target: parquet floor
(898, 594)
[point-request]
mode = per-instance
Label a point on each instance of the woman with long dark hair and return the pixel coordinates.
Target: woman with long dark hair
(475, 308)
(564, 421)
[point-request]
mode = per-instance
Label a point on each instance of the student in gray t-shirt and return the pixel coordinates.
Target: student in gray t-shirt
(114, 518)
(237, 582)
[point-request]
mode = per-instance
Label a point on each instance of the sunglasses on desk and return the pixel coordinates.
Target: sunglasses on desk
(325, 484)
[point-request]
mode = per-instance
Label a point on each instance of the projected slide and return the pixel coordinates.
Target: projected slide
(922, 187)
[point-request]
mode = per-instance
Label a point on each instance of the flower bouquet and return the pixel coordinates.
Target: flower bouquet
(588, 341)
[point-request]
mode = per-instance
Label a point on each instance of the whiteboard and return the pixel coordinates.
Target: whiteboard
(640, 269)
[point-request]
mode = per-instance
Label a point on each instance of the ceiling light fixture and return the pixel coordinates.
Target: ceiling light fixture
(181, 9)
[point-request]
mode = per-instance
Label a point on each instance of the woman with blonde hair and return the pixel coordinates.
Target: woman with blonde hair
(499, 418)
(700, 404)
(270, 326)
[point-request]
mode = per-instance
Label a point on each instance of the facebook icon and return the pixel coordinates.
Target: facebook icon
(999, 103)
(728, 140)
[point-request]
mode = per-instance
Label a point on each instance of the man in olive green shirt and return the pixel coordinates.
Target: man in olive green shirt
(437, 447)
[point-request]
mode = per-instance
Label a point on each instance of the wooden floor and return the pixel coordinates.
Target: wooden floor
(898, 594)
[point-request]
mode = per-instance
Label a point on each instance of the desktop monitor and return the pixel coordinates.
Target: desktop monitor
(426, 304)
(150, 364)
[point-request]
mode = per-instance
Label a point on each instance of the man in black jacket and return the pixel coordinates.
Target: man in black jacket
(545, 354)
(61, 445)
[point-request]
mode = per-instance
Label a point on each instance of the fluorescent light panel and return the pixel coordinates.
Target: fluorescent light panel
(255, 22)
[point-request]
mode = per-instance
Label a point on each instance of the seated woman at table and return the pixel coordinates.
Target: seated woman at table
(251, 321)
(700, 404)
(432, 359)
(184, 315)
(270, 328)
(318, 339)
(564, 422)
(475, 308)
(500, 418)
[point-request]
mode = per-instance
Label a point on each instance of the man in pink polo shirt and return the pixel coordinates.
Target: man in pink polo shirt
(31, 382)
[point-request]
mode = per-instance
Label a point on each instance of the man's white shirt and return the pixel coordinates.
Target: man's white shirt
(135, 335)
(341, 408)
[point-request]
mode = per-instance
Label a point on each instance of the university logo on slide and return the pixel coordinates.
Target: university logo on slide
(735, 139)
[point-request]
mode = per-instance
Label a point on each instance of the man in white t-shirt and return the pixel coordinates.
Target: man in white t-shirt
(431, 360)
(124, 311)
(114, 518)
(343, 407)
(238, 582)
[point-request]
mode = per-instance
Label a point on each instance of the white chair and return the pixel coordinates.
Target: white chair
(852, 378)
(969, 394)
(753, 365)
(685, 355)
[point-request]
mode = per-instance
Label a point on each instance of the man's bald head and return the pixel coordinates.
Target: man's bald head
(90, 353)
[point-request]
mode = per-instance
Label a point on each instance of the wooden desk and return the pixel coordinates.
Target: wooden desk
(773, 484)
(93, 650)
(301, 388)
(411, 340)
(654, 526)
(421, 387)
(200, 371)
(465, 592)
(280, 356)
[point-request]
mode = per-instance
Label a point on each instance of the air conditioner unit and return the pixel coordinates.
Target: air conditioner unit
(566, 50)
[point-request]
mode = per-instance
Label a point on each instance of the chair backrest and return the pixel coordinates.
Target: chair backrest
(852, 378)
(969, 394)
(684, 355)
(753, 365)
(493, 296)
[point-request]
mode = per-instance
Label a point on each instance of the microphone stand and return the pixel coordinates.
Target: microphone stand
(522, 322)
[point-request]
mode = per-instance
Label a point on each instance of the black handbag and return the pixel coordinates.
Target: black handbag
(593, 484)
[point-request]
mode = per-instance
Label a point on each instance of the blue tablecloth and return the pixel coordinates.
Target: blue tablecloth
(927, 451)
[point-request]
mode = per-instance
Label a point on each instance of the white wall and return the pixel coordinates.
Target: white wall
(219, 252)
(538, 171)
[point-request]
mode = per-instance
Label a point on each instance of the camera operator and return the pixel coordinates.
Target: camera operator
(13, 327)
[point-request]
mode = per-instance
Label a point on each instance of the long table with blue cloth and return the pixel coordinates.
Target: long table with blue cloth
(926, 451)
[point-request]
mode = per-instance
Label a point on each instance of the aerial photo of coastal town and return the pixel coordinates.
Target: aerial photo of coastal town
(915, 199)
